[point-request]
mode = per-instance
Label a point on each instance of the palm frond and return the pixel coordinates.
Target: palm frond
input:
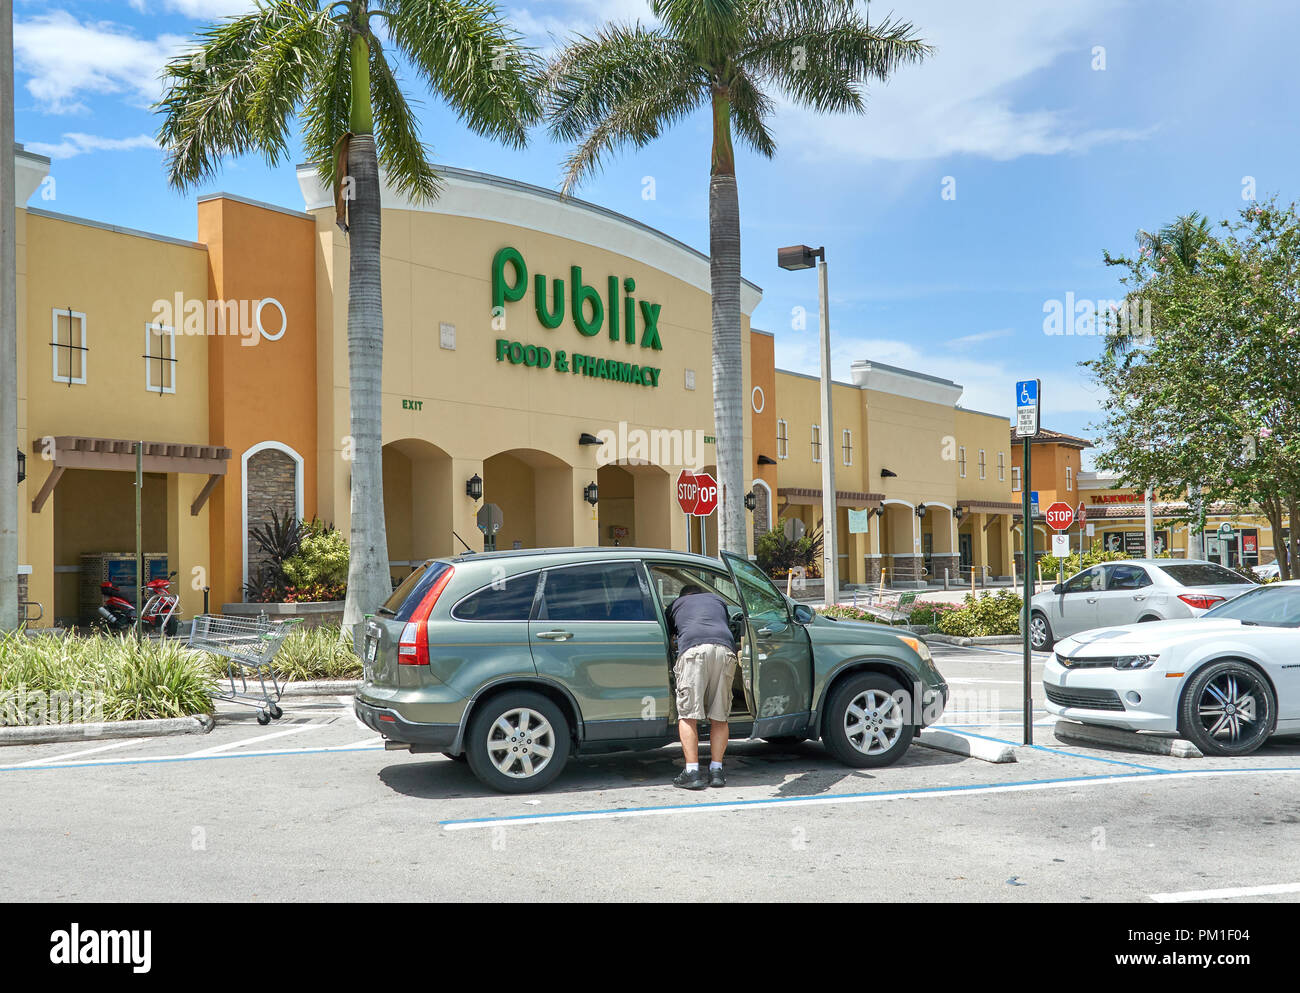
(472, 59)
(327, 110)
(401, 153)
(822, 52)
(234, 93)
(713, 29)
(750, 110)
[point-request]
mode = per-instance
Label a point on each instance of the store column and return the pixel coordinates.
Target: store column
(464, 509)
(979, 547)
(188, 543)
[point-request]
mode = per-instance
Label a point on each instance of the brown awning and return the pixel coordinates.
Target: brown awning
(118, 454)
(813, 495)
(987, 506)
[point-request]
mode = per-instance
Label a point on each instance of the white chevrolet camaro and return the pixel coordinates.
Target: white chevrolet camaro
(1226, 680)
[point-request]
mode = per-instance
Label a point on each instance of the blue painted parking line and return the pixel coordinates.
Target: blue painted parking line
(932, 792)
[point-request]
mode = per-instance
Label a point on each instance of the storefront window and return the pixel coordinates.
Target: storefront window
(782, 440)
(816, 442)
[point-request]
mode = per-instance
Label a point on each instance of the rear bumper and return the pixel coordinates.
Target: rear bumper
(394, 727)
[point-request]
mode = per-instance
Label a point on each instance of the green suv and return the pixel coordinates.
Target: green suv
(517, 660)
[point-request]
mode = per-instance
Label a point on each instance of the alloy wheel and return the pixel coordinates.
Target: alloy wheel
(1229, 708)
(1037, 630)
(520, 743)
(873, 721)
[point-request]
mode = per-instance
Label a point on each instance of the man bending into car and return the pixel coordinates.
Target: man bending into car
(706, 663)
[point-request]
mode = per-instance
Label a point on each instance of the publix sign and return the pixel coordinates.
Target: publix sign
(616, 315)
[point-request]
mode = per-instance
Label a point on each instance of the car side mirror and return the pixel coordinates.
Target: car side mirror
(1058, 588)
(804, 614)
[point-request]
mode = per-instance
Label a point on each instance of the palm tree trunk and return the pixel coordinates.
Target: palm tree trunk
(369, 584)
(728, 356)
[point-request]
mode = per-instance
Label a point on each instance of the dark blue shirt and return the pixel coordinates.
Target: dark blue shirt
(701, 619)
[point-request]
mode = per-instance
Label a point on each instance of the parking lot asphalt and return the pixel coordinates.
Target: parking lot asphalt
(312, 807)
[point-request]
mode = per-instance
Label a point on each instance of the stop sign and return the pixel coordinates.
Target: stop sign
(688, 491)
(708, 494)
(1060, 516)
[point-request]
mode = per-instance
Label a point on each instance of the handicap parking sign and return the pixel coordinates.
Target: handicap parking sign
(1027, 406)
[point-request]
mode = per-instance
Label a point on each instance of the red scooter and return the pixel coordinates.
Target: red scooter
(161, 608)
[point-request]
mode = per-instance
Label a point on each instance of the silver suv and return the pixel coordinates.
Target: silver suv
(1126, 592)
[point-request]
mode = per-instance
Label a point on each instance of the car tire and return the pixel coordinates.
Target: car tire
(857, 716)
(1040, 634)
(504, 763)
(1218, 687)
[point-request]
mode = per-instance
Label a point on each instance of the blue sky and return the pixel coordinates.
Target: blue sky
(1052, 160)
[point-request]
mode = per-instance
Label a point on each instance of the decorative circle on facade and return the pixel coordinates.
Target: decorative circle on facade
(284, 320)
(758, 400)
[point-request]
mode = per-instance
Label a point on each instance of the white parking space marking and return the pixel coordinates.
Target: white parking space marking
(1076, 782)
(1190, 896)
(87, 751)
(256, 739)
(370, 745)
(977, 679)
(347, 702)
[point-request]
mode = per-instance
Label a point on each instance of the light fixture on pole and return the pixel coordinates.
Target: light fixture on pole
(794, 258)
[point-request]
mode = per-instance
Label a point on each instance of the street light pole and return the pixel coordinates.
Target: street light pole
(830, 533)
(794, 258)
(8, 331)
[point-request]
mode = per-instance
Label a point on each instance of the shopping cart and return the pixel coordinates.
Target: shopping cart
(248, 645)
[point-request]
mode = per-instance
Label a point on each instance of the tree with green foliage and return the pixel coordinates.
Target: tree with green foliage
(325, 67)
(625, 84)
(1213, 395)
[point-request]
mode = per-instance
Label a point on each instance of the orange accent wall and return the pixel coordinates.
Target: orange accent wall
(1048, 470)
(261, 390)
(762, 365)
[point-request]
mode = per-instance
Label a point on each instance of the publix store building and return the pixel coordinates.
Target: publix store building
(529, 340)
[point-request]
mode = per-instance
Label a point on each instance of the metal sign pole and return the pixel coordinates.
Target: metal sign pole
(1028, 587)
(139, 538)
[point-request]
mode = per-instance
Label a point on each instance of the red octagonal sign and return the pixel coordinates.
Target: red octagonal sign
(688, 491)
(708, 494)
(1060, 516)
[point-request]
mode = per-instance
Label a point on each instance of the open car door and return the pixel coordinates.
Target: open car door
(777, 654)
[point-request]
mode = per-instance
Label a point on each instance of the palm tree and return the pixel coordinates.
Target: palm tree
(1181, 239)
(626, 83)
(323, 65)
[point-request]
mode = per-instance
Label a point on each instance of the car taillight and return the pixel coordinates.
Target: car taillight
(1201, 601)
(413, 649)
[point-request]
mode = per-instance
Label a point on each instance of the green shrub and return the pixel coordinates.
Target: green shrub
(68, 678)
(319, 569)
(309, 653)
(928, 612)
(982, 616)
(1074, 563)
(777, 554)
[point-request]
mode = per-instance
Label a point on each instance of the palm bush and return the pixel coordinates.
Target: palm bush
(68, 678)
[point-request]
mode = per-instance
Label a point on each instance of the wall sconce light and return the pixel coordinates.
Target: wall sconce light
(591, 493)
(876, 511)
(920, 510)
(588, 439)
(22, 465)
(474, 487)
(958, 511)
(750, 500)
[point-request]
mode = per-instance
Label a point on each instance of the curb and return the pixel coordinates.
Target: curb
(316, 687)
(962, 642)
(1091, 734)
(959, 744)
(40, 734)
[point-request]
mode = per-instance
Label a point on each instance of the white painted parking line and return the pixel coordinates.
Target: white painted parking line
(371, 745)
(255, 739)
(962, 680)
(1232, 893)
(86, 751)
(347, 702)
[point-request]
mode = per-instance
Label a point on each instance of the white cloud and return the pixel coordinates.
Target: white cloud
(66, 59)
(980, 336)
(207, 10)
(76, 143)
(965, 99)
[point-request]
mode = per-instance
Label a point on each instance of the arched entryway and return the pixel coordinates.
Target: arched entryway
(272, 478)
(536, 493)
(418, 497)
(636, 504)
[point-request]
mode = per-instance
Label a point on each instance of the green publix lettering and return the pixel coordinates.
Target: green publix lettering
(588, 310)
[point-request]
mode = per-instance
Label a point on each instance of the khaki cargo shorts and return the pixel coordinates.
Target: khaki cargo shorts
(704, 675)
